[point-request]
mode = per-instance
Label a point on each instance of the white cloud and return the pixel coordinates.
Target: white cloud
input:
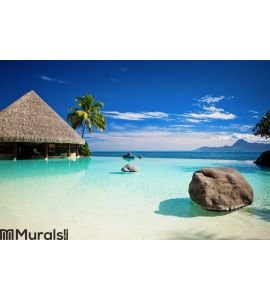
(210, 99)
(136, 116)
(193, 120)
(252, 111)
(249, 138)
(209, 111)
(182, 126)
(240, 127)
(217, 115)
(255, 113)
(244, 128)
(47, 78)
(212, 109)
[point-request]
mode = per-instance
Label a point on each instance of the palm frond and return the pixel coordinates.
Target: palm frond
(87, 112)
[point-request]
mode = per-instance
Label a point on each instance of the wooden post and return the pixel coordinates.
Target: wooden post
(77, 151)
(15, 151)
(68, 152)
(46, 155)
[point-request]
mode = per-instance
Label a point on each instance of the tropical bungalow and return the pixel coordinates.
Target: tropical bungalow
(30, 128)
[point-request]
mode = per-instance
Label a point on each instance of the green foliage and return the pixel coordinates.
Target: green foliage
(264, 159)
(262, 128)
(84, 150)
(88, 114)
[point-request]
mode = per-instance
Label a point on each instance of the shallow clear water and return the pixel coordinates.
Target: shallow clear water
(94, 200)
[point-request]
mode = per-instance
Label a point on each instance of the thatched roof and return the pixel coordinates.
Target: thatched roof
(30, 119)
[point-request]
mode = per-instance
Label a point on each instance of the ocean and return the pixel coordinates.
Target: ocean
(184, 154)
(93, 199)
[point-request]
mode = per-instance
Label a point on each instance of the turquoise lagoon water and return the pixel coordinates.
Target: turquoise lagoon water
(94, 200)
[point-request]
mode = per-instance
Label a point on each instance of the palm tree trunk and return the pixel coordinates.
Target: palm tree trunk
(83, 128)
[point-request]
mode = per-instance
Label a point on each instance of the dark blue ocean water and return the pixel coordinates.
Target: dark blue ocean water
(185, 154)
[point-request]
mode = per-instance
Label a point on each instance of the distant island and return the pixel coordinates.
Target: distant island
(238, 146)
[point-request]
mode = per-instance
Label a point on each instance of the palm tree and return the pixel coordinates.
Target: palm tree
(87, 114)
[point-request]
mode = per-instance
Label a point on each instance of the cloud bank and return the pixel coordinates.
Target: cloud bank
(155, 139)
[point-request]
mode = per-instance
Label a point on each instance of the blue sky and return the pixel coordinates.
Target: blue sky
(152, 105)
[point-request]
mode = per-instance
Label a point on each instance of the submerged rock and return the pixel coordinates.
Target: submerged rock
(263, 160)
(130, 168)
(220, 189)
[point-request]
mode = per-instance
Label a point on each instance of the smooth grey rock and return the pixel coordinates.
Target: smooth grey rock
(124, 169)
(220, 189)
(130, 168)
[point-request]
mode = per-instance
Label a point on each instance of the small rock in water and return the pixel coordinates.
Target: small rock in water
(220, 189)
(130, 168)
(128, 156)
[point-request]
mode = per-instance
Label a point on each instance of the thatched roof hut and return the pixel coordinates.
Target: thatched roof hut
(31, 120)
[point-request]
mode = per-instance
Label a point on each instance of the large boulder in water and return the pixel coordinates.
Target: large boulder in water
(130, 168)
(263, 160)
(220, 189)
